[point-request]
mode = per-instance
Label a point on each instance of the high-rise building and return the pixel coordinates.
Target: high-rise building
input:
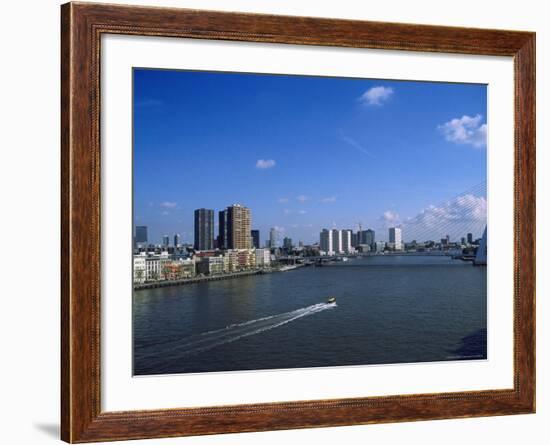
(367, 237)
(204, 229)
(346, 240)
(287, 243)
(470, 238)
(255, 234)
(336, 241)
(177, 240)
(354, 239)
(222, 229)
(141, 235)
(325, 242)
(273, 238)
(238, 227)
(395, 236)
(370, 238)
(165, 241)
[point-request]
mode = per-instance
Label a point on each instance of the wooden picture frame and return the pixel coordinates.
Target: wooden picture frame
(82, 25)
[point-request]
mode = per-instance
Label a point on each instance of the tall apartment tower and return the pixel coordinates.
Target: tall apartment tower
(396, 238)
(336, 241)
(346, 240)
(325, 241)
(204, 229)
(239, 227)
(234, 228)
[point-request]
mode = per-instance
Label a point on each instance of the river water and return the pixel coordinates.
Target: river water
(389, 309)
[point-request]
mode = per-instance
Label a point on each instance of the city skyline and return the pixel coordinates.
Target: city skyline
(304, 153)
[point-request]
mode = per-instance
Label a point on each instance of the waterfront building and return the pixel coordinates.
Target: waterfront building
(379, 246)
(211, 265)
(180, 269)
(463, 241)
(366, 237)
(255, 234)
(234, 228)
(177, 240)
(165, 241)
(346, 240)
(325, 242)
(336, 241)
(263, 257)
(273, 238)
(395, 238)
(232, 260)
(140, 238)
(287, 243)
(204, 229)
(139, 269)
(470, 238)
(246, 259)
(363, 248)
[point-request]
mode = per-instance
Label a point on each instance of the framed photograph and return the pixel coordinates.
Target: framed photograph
(276, 222)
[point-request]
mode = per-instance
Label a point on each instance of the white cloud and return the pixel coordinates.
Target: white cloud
(263, 164)
(302, 212)
(287, 211)
(390, 219)
(302, 198)
(282, 200)
(168, 205)
(460, 215)
(329, 199)
(463, 208)
(376, 95)
(466, 130)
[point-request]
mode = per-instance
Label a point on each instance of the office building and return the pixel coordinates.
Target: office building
(141, 236)
(165, 241)
(255, 234)
(395, 238)
(204, 229)
(325, 242)
(273, 238)
(177, 240)
(222, 229)
(470, 238)
(287, 243)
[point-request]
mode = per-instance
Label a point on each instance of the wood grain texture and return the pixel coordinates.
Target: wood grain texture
(81, 28)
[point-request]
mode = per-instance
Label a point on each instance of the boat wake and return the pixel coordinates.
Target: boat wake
(212, 339)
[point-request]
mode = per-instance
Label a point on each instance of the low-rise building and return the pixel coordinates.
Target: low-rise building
(139, 269)
(211, 265)
(263, 258)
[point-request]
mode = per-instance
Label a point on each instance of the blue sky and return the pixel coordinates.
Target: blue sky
(304, 153)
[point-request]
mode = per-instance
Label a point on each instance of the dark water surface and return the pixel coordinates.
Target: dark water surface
(389, 310)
